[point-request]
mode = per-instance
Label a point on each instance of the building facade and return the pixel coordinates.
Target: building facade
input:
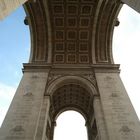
(71, 67)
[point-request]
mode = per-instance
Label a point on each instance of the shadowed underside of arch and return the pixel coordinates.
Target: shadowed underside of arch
(72, 97)
(72, 31)
(71, 93)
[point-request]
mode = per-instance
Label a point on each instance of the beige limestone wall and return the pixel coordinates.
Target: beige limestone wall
(135, 4)
(23, 117)
(120, 118)
(101, 126)
(43, 119)
(7, 6)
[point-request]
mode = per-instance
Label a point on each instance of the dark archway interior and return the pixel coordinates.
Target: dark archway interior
(74, 96)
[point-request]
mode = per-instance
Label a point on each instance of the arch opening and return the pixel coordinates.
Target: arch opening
(72, 96)
(74, 125)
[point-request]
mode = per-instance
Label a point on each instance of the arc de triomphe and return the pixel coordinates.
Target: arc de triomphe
(71, 68)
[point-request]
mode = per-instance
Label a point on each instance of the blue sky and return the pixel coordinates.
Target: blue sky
(15, 48)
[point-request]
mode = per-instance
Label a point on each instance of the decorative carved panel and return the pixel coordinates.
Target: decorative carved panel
(59, 22)
(84, 35)
(83, 47)
(72, 22)
(59, 35)
(59, 47)
(71, 58)
(83, 58)
(59, 58)
(71, 47)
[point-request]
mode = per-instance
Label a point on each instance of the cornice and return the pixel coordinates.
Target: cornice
(46, 67)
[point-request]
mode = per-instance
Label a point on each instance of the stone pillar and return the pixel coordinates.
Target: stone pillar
(99, 117)
(43, 119)
(120, 118)
(53, 124)
(27, 109)
(90, 133)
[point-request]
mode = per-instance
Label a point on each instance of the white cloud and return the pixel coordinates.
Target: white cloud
(6, 95)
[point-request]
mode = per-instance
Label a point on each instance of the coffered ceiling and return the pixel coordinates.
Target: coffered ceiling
(72, 31)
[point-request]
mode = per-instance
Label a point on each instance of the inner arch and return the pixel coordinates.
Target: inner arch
(70, 126)
(71, 96)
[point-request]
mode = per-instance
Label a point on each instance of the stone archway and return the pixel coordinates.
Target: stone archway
(70, 94)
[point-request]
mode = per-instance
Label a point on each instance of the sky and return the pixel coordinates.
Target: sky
(15, 48)
(126, 51)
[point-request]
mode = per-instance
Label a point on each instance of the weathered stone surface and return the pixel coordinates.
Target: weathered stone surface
(121, 120)
(100, 121)
(21, 121)
(7, 6)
